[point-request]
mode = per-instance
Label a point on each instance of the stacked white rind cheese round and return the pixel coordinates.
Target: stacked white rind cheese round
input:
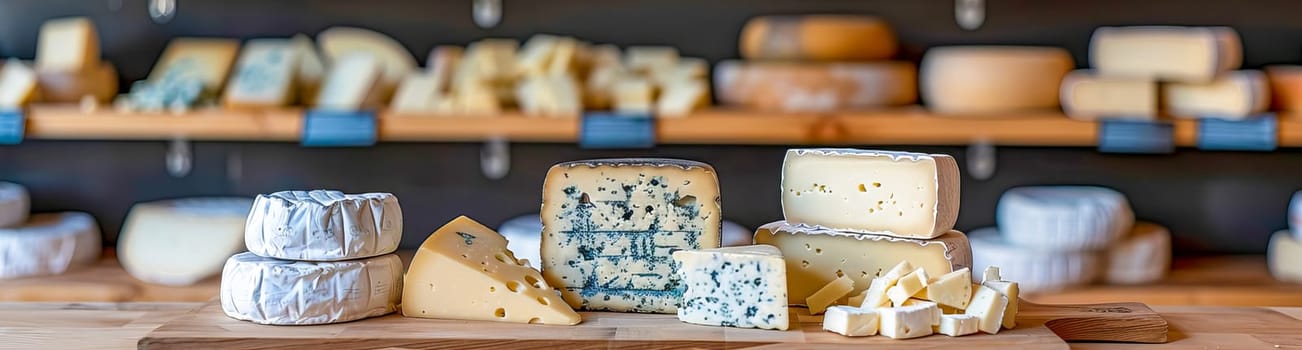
(1063, 217)
(49, 244)
(280, 292)
(183, 241)
(1142, 257)
(14, 204)
(1035, 270)
(323, 225)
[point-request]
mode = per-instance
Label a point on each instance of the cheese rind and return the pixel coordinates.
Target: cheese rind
(742, 287)
(610, 225)
(67, 45)
(1087, 95)
(323, 225)
(817, 38)
(464, 271)
(935, 308)
(1233, 95)
(1167, 53)
(959, 80)
(1064, 218)
(817, 256)
(829, 294)
(902, 194)
(49, 244)
(1284, 257)
(958, 325)
(263, 76)
(953, 289)
(281, 292)
(851, 321)
(1143, 256)
(1037, 270)
(907, 322)
(15, 204)
(180, 242)
(988, 306)
(815, 87)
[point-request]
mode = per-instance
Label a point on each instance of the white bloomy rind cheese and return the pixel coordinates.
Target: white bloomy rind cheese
(323, 225)
(14, 204)
(281, 292)
(524, 238)
(1142, 257)
(742, 287)
(49, 244)
(264, 74)
(992, 79)
(958, 325)
(851, 321)
(953, 289)
(464, 271)
(1063, 217)
(906, 322)
(1167, 53)
(1234, 95)
(1284, 257)
(815, 256)
(1037, 270)
(610, 227)
(180, 242)
(902, 194)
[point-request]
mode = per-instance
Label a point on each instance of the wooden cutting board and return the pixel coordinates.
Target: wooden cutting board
(208, 328)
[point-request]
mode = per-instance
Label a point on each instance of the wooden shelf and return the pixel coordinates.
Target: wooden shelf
(901, 126)
(105, 281)
(1214, 281)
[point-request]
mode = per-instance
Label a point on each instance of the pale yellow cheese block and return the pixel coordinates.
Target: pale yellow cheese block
(264, 75)
(310, 70)
(1233, 95)
(1087, 95)
(337, 42)
(207, 59)
(815, 87)
(17, 84)
(351, 83)
(818, 38)
(990, 80)
(68, 45)
(1166, 53)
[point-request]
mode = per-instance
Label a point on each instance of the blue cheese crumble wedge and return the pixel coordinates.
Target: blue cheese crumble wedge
(743, 287)
(611, 225)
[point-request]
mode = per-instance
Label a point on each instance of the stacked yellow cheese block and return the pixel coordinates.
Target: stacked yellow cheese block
(816, 63)
(1148, 72)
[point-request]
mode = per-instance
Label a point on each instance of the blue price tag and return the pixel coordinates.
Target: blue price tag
(13, 125)
(334, 128)
(1258, 133)
(1136, 137)
(617, 130)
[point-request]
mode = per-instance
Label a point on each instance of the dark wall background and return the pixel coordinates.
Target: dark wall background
(1215, 202)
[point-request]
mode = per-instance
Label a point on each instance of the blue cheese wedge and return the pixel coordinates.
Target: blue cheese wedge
(610, 227)
(743, 287)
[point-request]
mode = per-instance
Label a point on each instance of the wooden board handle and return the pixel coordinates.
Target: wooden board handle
(1113, 322)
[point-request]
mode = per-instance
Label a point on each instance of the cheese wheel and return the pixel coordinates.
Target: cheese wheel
(1285, 87)
(183, 241)
(817, 38)
(281, 292)
(71, 86)
(1142, 257)
(14, 204)
(1233, 95)
(1166, 53)
(1063, 218)
(49, 244)
(1087, 95)
(992, 79)
(323, 225)
(815, 87)
(524, 238)
(1035, 270)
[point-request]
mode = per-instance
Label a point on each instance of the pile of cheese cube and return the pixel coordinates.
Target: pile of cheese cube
(906, 303)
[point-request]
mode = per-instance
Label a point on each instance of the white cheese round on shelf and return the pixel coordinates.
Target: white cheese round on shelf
(524, 238)
(323, 225)
(1142, 257)
(49, 244)
(1284, 257)
(281, 292)
(1063, 218)
(183, 241)
(1035, 270)
(14, 204)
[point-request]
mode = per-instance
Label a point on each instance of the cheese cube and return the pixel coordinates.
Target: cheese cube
(935, 313)
(417, 93)
(549, 95)
(906, 322)
(953, 289)
(911, 195)
(851, 321)
(829, 294)
(681, 98)
(464, 271)
(610, 225)
(17, 84)
(207, 59)
(562, 60)
(650, 58)
(350, 83)
(536, 54)
(991, 274)
(988, 306)
(67, 45)
(1009, 290)
(742, 287)
(875, 295)
(633, 95)
(263, 76)
(958, 325)
(907, 286)
(893, 275)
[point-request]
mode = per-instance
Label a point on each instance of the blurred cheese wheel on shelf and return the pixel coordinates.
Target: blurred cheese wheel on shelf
(815, 87)
(49, 244)
(992, 79)
(1063, 218)
(1285, 87)
(1233, 95)
(14, 204)
(72, 86)
(1035, 270)
(1166, 53)
(1284, 257)
(817, 38)
(1144, 256)
(183, 241)
(1087, 95)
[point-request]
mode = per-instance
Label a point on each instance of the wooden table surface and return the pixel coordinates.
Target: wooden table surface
(25, 325)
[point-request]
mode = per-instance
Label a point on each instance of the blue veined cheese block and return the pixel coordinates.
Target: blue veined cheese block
(610, 227)
(263, 76)
(743, 287)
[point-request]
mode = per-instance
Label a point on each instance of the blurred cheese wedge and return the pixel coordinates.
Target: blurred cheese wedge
(535, 56)
(350, 84)
(263, 76)
(992, 79)
(549, 95)
(17, 84)
(1285, 87)
(1233, 95)
(1284, 257)
(72, 86)
(181, 242)
(417, 93)
(1087, 95)
(649, 58)
(1166, 53)
(815, 87)
(338, 42)
(817, 38)
(68, 45)
(310, 70)
(680, 99)
(206, 59)
(633, 95)
(687, 69)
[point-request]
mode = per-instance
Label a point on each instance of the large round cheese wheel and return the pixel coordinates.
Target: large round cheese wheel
(323, 225)
(992, 79)
(272, 291)
(49, 244)
(1035, 270)
(815, 87)
(14, 204)
(180, 242)
(1063, 218)
(1144, 256)
(817, 38)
